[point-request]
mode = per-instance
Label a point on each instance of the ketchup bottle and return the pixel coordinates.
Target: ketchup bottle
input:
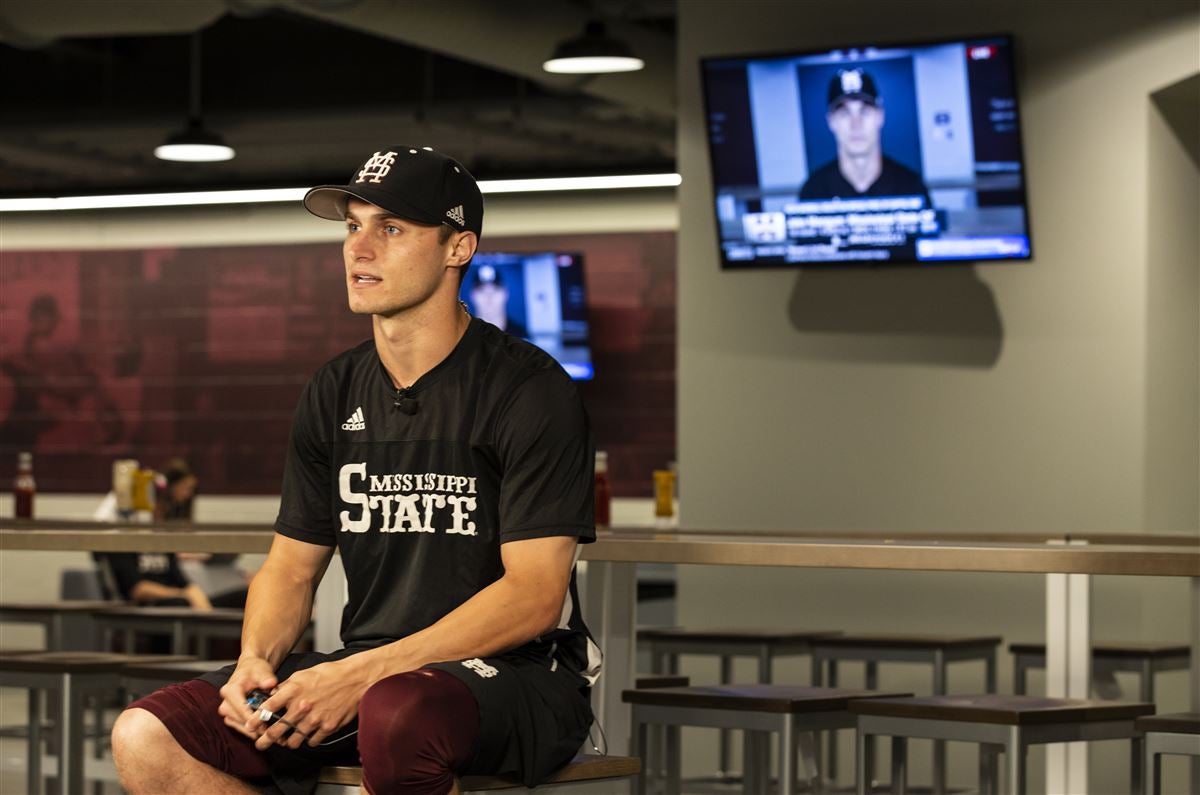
(603, 490)
(24, 487)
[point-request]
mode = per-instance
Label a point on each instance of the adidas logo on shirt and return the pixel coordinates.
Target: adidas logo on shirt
(356, 421)
(455, 214)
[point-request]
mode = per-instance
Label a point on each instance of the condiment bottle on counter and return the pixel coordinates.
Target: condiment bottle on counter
(24, 487)
(603, 491)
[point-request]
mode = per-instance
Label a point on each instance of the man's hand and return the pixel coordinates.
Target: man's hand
(319, 701)
(197, 598)
(251, 673)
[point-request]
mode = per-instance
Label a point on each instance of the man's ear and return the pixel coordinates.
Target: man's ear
(464, 248)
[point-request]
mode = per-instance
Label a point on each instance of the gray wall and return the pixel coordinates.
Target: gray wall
(1055, 395)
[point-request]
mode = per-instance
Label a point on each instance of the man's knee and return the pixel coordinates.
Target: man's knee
(414, 730)
(136, 729)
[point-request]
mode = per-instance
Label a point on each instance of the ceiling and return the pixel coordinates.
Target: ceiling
(304, 90)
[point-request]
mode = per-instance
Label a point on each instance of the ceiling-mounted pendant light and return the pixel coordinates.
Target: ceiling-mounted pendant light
(195, 144)
(595, 52)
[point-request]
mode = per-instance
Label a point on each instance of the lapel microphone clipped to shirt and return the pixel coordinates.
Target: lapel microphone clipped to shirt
(405, 403)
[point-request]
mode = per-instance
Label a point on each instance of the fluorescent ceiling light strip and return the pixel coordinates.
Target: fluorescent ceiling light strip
(579, 183)
(264, 196)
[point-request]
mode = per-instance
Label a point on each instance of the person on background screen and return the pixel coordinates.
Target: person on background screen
(489, 299)
(856, 117)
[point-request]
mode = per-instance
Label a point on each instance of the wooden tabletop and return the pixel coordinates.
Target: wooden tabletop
(690, 547)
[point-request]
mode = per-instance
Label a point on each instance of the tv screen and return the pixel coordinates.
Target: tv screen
(879, 154)
(539, 297)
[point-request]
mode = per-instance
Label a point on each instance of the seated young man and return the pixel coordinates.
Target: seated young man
(450, 465)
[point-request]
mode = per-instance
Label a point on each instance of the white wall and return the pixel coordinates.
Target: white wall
(1055, 395)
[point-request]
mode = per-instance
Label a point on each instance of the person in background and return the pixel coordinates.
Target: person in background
(156, 578)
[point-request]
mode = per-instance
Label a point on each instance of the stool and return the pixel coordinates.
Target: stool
(937, 650)
(1177, 733)
(1011, 722)
(645, 682)
(181, 624)
(601, 772)
(68, 624)
(667, 644)
(69, 677)
(142, 678)
(1144, 659)
(794, 711)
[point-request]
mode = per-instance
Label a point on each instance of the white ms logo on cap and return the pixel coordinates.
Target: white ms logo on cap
(377, 167)
(455, 214)
(852, 81)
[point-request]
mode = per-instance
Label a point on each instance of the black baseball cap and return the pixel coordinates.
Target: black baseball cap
(852, 84)
(415, 183)
(485, 275)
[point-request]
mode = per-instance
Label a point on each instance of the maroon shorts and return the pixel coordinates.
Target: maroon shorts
(533, 717)
(189, 711)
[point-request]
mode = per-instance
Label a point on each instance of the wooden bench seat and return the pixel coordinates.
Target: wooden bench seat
(583, 769)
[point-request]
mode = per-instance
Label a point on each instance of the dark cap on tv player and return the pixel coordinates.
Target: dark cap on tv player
(486, 275)
(417, 184)
(850, 84)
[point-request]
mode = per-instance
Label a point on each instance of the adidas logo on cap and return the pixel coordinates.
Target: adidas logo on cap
(355, 422)
(455, 214)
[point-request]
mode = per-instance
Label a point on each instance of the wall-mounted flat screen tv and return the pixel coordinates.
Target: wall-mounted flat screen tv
(869, 154)
(539, 297)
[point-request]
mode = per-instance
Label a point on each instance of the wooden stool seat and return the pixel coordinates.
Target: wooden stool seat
(1002, 709)
(667, 644)
(1012, 723)
(1176, 733)
(1176, 723)
(660, 680)
(914, 642)
(1116, 650)
(140, 679)
(778, 699)
(70, 677)
(732, 635)
(79, 662)
(68, 623)
(1146, 659)
(793, 712)
(583, 768)
(937, 651)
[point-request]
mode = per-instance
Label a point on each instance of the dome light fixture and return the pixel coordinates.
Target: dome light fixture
(195, 143)
(595, 52)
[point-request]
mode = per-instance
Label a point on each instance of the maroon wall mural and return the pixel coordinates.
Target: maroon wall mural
(202, 353)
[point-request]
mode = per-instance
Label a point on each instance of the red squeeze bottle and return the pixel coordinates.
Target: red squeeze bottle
(603, 490)
(24, 487)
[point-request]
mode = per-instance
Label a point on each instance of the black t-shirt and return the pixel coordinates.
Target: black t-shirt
(127, 569)
(894, 179)
(418, 503)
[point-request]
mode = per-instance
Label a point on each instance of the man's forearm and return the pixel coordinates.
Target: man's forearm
(278, 609)
(150, 591)
(502, 616)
